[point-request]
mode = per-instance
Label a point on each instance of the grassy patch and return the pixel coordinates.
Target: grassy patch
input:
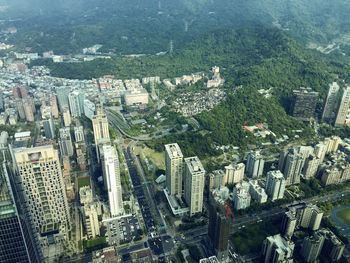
(344, 215)
(250, 239)
(157, 157)
(84, 181)
(95, 242)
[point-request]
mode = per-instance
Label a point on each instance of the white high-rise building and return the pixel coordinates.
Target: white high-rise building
(255, 164)
(100, 126)
(40, 176)
(194, 184)
(79, 133)
(343, 110)
(277, 249)
(111, 176)
(293, 165)
(234, 173)
(275, 185)
(328, 110)
(174, 169)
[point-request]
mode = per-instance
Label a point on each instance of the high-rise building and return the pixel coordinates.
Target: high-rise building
(321, 150)
(304, 103)
(343, 109)
(329, 106)
(89, 211)
(1, 102)
(289, 224)
(19, 92)
(310, 217)
(332, 144)
(40, 177)
(79, 133)
(277, 249)
(312, 246)
(49, 128)
(62, 96)
(20, 109)
(241, 196)
(275, 185)
(255, 164)
(174, 169)
(194, 184)
(294, 162)
(311, 166)
(28, 109)
(100, 126)
(66, 117)
(234, 173)
(54, 106)
(76, 103)
(332, 175)
(257, 192)
(333, 247)
(219, 229)
(215, 179)
(89, 109)
(65, 142)
(111, 176)
(17, 242)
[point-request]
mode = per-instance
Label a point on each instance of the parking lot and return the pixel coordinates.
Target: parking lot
(122, 230)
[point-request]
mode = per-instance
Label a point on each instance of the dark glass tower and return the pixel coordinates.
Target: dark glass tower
(15, 241)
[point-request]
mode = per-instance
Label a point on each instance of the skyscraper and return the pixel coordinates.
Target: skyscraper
(100, 127)
(66, 116)
(219, 229)
(54, 107)
(329, 106)
(62, 96)
(79, 133)
(304, 103)
(343, 109)
(291, 163)
(275, 185)
(312, 246)
(39, 175)
(17, 243)
(289, 224)
(65, 142)
(49, 128)
(311, 166)
(333, 247)
(194, 184)
(234, 173)
(74, 104)
(174, 169)
(255, 164)
(277, 249)
(111, 176)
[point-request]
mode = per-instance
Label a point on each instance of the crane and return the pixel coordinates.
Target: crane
(228, 209)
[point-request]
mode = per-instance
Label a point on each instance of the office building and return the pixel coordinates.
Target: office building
(333, 247)
(65, 142)
(40, 177)
(312, 246)
(100, 127)
(304, 103)
(76, 103)
(79, 133)
(89, 211)
(194, 184)
(275, 185)
(343, 108)
(255, 164)
(289, 223)
(257, 192)
(277, 249)
(234, 173)
(137, 96)
(174, 169)
(49, 128)
(328, 113)
(311, 166)
(54, 106)
(66, 117)
(111, 179)
(62, 97)
(219, 229)
(89, 109)
(17, 243)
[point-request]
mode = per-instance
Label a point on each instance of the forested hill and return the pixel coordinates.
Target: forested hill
(147, 26)
(258, 56)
